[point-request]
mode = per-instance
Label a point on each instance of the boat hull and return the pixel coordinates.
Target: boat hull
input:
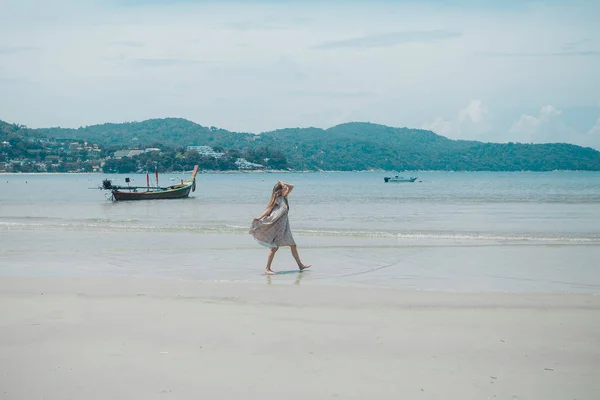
(387, 179)
(170, 193)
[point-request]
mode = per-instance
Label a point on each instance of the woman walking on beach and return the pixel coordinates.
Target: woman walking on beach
(272, 228)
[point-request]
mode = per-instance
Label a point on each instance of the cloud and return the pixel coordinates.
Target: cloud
(569, 49)
(16, 81)
(548, 125)
(125, 43)
(544, 127)
(271, 22)
(590, 53)
(17, 49)
(135, 3)
(475, 113)
(389, 39)
(163, 62)
(442, 127)
(552, 125)
(594, 133)
(592, 137)
(470, 123)
(303, 93)
(569, 46)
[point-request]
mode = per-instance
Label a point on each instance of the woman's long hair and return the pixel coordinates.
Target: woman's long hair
(277, 189)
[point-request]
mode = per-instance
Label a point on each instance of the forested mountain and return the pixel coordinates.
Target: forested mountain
(349, 146)
(362, 146)
(172, 131)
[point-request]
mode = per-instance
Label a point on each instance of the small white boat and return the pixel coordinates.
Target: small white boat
(399, 179)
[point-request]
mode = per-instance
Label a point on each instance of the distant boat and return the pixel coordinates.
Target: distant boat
(179, 191)
(399, 179)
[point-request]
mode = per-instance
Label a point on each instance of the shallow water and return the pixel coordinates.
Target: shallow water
(514, 232)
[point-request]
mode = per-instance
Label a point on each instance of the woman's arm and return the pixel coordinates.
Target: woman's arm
(264, 214)
(289, 186)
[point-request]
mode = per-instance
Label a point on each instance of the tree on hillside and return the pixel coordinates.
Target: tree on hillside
(123, 166)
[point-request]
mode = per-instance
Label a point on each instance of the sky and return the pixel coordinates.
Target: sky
(521, 71)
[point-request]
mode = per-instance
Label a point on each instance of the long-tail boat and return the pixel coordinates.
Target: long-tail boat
(181, 190)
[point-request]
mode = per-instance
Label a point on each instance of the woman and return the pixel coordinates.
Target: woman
(272, 228)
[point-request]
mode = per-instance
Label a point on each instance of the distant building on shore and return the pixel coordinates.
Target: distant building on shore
(206, 151)
(127, 153)
(244, 164)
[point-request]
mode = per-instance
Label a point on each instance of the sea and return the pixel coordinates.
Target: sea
(515, 232)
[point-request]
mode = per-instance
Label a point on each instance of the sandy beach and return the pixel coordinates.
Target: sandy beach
(124, 338)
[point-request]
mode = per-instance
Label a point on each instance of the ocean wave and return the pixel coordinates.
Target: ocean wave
(131, 225)
(456, 236)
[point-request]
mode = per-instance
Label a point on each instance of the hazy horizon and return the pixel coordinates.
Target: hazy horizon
(521, 71)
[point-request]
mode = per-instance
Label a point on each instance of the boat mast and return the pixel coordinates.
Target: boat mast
(156, 170)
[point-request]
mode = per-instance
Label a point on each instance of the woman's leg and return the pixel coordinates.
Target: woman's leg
(270, 260)
(294, 249)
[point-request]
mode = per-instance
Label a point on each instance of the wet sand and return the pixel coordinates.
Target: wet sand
(403, 264)
(124, 338)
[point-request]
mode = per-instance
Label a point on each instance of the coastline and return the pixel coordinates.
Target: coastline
(217, 172)
(98, 338)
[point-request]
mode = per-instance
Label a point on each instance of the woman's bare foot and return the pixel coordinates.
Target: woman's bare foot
(302, 268)
(269, 272)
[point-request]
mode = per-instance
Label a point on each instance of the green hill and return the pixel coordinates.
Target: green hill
(172, 131)
(349, 146)
(363, 146)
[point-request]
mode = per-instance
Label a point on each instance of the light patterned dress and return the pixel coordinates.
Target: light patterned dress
(274, 230)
